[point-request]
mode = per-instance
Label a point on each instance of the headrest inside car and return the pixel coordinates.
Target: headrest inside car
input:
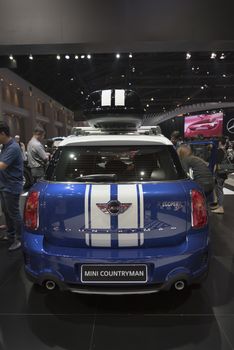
(158, 175)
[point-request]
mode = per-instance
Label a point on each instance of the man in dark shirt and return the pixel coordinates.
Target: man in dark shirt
(220, 177)
(196, 168)
(11, 185)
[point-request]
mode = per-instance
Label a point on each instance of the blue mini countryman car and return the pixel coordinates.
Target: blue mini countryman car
(116, 214)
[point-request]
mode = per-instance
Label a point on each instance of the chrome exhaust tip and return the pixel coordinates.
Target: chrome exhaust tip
(50, 285)
(179, 285)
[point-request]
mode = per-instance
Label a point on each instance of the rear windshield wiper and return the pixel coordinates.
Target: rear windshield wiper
(97, 177)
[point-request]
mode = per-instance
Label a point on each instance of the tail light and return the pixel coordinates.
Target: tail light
(31, 211)
(199, 210)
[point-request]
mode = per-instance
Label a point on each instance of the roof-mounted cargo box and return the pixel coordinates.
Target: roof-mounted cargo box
(114, 109)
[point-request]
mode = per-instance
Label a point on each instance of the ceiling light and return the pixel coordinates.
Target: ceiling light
(58, 57)
(82, 56)
(193, 68)
(152, 99)
(89, 57)
(225, 97)
(222, 57)
(133, 69)
(129, 83)
(11, 57)
(207, 73)
(224, 76)
(82, 92)
(67, 57)
(122, 76)
(76, 57)
(147, 105)
(130, 55)
(202, 87)
(198, 68)
(188, 98)
(72, 79)
(30, 57)
(117, 55)
(188, 56)
(213, 55)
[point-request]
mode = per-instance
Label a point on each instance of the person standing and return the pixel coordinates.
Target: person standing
(175, 138)
(22, 147)
(37, 156)
(196, 168)
(220, 177)
(11, 186)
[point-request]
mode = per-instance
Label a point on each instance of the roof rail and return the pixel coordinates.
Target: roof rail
(84, 130)
(150, 130)
(87, 130)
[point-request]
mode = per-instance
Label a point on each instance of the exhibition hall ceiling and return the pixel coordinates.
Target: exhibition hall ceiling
(164, 81)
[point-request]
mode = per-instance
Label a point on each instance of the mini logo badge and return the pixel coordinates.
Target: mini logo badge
(113, 207)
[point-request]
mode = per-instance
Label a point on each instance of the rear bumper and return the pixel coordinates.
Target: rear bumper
(116, 290)
(63, 265)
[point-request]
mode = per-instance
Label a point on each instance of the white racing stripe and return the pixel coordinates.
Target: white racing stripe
(87, 206)
(127, 220)
(141, 206)
(100, 240)
(128, 194)
(142, 238)
(100, 194)
(119, 97)
(106, 98)
(128, 239)
(87, 238)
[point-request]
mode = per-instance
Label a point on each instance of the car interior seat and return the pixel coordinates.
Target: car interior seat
(144, 165)
(115, 166)
(158, 175)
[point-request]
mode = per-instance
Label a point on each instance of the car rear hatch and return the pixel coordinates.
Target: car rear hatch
(115, 196)
(115, 215)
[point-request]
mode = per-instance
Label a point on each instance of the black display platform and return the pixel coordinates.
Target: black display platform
(198, 318)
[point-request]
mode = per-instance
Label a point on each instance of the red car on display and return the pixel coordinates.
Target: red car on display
(207, 125)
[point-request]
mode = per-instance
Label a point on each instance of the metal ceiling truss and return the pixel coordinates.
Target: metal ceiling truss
(155, 119)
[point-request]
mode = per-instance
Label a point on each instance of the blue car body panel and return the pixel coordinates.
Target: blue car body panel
(161, 235)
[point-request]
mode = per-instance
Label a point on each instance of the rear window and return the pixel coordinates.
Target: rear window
(115, 164)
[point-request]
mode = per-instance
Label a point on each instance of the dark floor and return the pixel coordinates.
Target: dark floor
(199, 318)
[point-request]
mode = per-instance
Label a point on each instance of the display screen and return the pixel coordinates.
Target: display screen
(207, 125)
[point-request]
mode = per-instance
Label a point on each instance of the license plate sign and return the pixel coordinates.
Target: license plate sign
(113, 273)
